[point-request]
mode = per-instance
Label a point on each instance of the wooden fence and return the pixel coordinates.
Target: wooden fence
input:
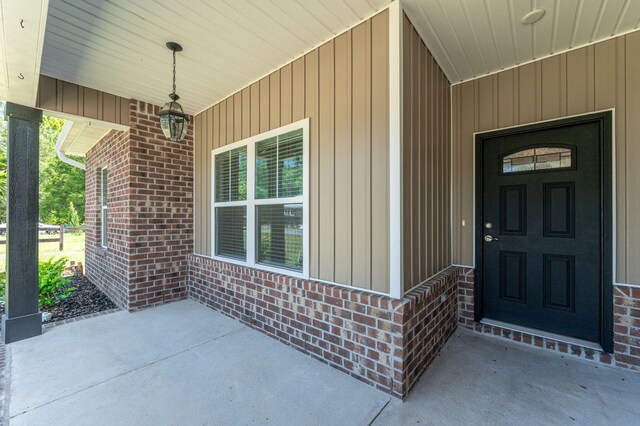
(59, 239)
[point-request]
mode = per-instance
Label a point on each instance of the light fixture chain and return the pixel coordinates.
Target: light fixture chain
(174, 71)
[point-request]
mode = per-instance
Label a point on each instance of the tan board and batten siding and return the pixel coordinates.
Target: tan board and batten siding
(426, 162)
(343, 88)
(69, 98)
(596, 77)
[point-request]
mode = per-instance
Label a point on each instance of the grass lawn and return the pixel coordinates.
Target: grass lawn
(73, 249)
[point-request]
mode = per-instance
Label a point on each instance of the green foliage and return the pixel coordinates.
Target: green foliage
(74, 217)
(53, 288)
(60, 183)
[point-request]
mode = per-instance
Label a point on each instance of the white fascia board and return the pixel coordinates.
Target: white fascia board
(22, 29)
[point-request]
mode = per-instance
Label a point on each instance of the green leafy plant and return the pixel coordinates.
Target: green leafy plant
(53, 288)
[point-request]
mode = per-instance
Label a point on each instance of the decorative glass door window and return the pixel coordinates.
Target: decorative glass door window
(535, 159)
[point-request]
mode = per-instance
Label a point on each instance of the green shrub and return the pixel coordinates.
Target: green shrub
(53, 288)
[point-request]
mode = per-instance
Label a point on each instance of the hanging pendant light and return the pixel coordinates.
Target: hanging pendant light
(173, 120)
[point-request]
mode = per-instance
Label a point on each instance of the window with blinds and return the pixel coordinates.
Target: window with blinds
(259, 200)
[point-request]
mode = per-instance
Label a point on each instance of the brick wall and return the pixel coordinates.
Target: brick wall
(626, 332)
(429, 318)
(367, 336)
(150, 212)
(108, 269)
(161, 209)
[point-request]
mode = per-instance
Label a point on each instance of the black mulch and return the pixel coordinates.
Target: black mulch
(86, 299)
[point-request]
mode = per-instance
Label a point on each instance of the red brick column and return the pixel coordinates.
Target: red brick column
(150, 212)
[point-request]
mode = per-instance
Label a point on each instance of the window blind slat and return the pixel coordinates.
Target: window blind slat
(231, 175)
(231, 232)
(280, 235)
(279, 166)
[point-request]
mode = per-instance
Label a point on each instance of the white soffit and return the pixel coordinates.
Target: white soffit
(22, 28)
(82, 136)
(471, 38)
(118, 46)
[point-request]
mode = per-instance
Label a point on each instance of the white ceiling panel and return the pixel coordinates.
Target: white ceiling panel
(471, 38)
(118, 46)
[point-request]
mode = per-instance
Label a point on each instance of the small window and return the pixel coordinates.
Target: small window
(103, 207)
(538, 159)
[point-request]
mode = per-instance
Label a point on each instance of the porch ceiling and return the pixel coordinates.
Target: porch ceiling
(118, 46)
(471, 38)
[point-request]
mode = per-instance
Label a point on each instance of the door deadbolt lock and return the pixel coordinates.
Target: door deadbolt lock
(489, 238)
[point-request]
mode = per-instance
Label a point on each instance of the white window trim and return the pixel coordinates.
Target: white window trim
(251, 203)
(103, 207)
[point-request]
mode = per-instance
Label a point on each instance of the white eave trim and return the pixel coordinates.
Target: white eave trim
(22, 28)
(68, 125)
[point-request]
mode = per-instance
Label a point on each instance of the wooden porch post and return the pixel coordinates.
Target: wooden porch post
(22, 318)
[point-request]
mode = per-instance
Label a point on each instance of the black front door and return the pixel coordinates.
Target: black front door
(540, 227)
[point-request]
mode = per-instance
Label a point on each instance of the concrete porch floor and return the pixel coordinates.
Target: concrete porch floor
(183, 363)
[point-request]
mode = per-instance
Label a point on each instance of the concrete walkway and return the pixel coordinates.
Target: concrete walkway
(183, 363)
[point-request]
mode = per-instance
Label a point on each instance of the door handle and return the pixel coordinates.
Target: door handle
(489, 238)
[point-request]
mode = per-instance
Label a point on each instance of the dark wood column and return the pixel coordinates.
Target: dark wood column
(22, 318)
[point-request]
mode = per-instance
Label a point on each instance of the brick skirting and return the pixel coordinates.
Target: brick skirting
(384, 342)
(626, 328)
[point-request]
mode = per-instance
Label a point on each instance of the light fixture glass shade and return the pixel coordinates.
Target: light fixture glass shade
(173, 121)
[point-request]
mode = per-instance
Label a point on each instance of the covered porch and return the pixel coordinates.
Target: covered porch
(327, 192)
(183, 363)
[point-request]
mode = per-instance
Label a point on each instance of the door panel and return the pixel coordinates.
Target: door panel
(541, 206)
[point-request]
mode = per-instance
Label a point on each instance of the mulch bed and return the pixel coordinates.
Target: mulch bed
(86, 299)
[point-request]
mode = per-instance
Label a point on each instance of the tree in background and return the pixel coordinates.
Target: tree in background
(61, 185)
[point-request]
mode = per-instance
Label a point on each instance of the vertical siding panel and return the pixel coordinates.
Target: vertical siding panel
(447, 205)
(407, 142)
(216, 126)
(208, 136)
(423, 59)
(255, 108)
(456, 188)
(70, 101)
(430, 187)
(526, 93)
(264, 104)
(285, 95)
(200, 197)
(237, 116)
(223, 123)
(633, 154)
(47, 93)
(91, 105)
(368, 155)
(108, 107)
(311, 111)
(551, 77)
(467, 128)
(297, 90)
(359, 143)
(622, 191)
(230, 119)
(246, 113)
(485, 104)
(203, 187)
(327, 157)
(577, 81)
(415, 159)
(342, 250)
(606, 91)
(505, 99)
(379, 151)
(274, 100)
